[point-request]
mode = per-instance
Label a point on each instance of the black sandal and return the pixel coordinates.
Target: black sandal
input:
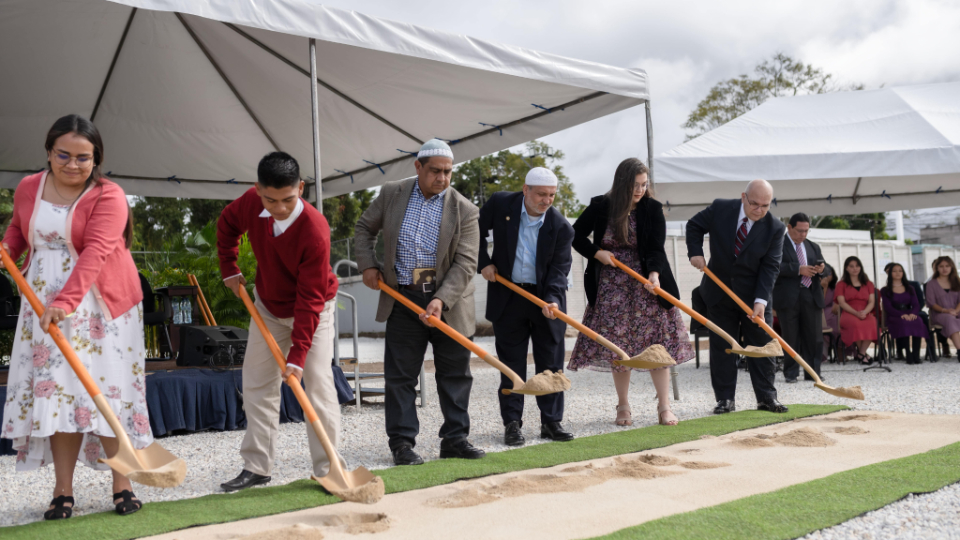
(129, 505)
(59, 511)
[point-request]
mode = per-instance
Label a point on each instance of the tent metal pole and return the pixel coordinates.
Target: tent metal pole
(646, 107)
(314, 107)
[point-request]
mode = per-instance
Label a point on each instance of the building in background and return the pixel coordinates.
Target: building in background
(947, 235)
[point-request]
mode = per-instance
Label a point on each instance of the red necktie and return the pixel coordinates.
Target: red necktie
(741, 237)
(801, 256)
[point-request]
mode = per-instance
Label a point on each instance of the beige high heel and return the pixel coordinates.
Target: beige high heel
(628, 419)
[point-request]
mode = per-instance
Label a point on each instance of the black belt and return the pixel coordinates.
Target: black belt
(527, 286)
(425, 288)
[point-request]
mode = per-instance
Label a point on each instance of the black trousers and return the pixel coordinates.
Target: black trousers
(903, 342)
(801, 326)
(723, 366)
(521, 321)
(406, 342)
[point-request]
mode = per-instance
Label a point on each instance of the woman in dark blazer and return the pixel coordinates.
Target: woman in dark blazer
(628, 223)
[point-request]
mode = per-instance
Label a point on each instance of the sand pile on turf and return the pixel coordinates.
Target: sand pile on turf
(699, 465)
(658, 461)
(859, 418)
(547, 382)
(297, 532)
(804, 437)
(581, 478)
(752, 442)
(852, 430)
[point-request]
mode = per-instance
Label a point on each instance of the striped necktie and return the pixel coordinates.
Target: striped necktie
(802, 257)
(741, 238)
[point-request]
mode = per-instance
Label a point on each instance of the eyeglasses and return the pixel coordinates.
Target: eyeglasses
(755, 205)
(64, 159)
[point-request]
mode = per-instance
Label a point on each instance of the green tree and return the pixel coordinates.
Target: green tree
(479, 178)
(857, 222)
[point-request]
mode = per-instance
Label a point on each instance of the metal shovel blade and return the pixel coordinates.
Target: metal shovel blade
(853, 392)
(152, 466)
(358, 485)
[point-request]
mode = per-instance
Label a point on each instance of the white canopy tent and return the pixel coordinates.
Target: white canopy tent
(189, 94)
(841, 153)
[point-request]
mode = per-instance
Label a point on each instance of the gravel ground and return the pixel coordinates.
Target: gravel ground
(213, 457)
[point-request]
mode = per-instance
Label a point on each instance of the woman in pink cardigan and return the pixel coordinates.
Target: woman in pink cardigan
(75, 227)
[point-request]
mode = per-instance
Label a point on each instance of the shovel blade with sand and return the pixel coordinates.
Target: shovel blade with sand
(854, 392)
(152, 466)
(358, 485)
(540, 384)
(649, 359)
(768, 350)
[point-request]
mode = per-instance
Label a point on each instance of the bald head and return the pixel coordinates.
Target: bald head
(756, 199)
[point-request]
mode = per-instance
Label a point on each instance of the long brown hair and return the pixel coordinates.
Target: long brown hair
(863, 278)
(621, 196)
(74, 123)
(954, 280)
(903, 280)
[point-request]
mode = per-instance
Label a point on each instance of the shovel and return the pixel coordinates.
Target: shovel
(642, 361)
(854, 392)
(770, 349)
(552, 382)
(151, 466)
(359, 485)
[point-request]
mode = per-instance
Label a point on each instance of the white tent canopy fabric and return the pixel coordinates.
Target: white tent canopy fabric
(189, 94)
(827, 154)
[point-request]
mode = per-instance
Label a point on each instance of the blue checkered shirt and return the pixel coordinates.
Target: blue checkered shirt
(419, 234)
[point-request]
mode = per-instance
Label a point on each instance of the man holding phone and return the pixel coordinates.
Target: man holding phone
(798, 298)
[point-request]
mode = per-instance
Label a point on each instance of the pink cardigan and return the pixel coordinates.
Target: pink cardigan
(95, 225)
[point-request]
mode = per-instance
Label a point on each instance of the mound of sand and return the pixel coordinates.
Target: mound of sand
(859, 418)
(577, 468)
(359, 523)
(804, 437)
(752, 442)
(297, 532)
(658, 461)
(852, 430)
(547, 382)
(696, 465)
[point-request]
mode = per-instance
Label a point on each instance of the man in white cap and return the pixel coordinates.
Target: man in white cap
(531, 247)
(430, 255)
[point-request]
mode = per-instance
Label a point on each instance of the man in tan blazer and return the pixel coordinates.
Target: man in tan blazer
(431, 240)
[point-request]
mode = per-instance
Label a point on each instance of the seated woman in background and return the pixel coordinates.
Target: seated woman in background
(943, 298)
(901, 309)
(831, 309)
(854, 293)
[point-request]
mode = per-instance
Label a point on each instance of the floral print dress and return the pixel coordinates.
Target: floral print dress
(44, 396)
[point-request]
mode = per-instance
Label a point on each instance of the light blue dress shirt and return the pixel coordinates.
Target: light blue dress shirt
(525, 263)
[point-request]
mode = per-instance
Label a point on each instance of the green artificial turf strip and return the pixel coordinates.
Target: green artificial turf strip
(798, 510)
(162, 517)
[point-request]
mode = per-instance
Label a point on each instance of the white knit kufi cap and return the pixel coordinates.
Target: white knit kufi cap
(540, 176)
(435, 147)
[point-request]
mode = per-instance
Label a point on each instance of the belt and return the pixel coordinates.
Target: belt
(527, 286)
(425, 288)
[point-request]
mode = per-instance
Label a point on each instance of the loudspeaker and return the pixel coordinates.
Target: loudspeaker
(211, 346)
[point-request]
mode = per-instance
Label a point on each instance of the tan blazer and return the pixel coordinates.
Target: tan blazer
(456, 250)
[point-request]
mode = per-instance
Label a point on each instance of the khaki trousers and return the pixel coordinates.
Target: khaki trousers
(261, 391)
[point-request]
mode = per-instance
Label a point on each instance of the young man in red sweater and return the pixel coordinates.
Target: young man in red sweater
(296, 294)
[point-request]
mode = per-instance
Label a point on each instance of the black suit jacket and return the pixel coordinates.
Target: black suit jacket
(651, 235)
(501, 213)
(753, 273)
(787, 289)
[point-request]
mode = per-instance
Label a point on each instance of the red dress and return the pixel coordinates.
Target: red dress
(851, 327)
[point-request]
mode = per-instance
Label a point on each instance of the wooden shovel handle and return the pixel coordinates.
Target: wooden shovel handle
(457, 336)
(563, 317)
(669, 298)
(203, 307)
(762, 324)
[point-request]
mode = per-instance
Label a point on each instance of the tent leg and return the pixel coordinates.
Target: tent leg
(314, 109)
(646, 107)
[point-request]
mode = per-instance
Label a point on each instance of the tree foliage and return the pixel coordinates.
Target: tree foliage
(778, 76)
(479, 178)
(857, 222)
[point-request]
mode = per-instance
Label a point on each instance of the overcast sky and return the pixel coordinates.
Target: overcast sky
(687, 47)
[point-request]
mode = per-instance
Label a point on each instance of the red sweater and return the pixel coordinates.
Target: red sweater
(294, 277)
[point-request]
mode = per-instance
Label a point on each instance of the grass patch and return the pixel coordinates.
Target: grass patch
(162, 517)
(798, 510)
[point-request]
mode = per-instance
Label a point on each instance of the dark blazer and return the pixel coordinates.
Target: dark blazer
(651, 235)
(501, 213)
(786, 291)
(918, 288)
(753, 273)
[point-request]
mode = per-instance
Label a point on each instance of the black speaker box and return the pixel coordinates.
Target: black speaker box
(211, 346)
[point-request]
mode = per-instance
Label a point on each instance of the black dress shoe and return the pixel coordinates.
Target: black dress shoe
(460, 449)
(555, 432)
(724, 406)
(404, 455)
(791, 381)
(512, 436)
(772, 406)
(244, 480)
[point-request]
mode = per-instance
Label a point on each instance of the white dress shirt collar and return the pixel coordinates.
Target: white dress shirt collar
(281, 226)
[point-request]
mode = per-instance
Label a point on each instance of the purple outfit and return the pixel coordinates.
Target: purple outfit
(627, 314)
(945, 299)
(895, 305)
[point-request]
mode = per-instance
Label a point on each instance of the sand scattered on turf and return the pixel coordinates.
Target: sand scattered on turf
(804, 437)
(699, 465)
(297, 532)
(658, 461)
(582, 477)
(859, 418)
(547, 382)
(852, 430)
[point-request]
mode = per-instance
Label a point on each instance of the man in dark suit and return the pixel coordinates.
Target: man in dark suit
(746, 245)
(798, 298)
(531, 247)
